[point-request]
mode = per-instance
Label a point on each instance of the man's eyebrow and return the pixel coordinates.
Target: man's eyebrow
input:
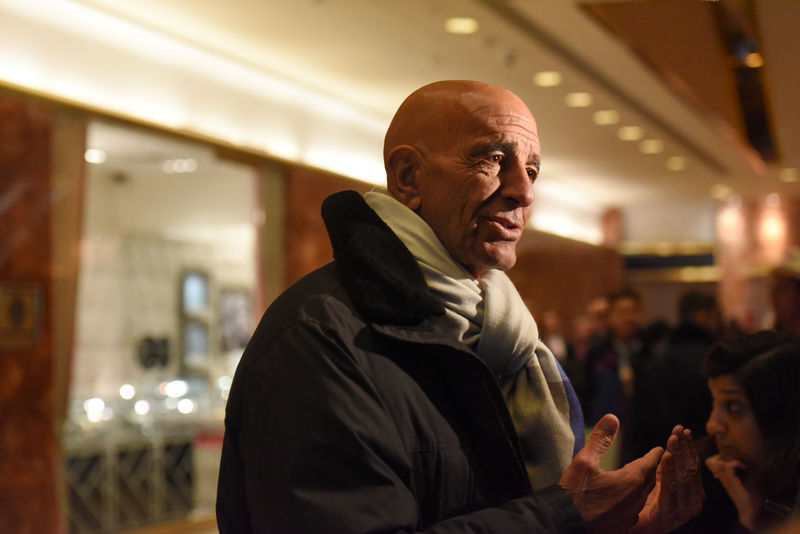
(482, 149)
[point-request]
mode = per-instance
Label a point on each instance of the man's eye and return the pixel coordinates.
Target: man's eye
(496, 158)
(532, 174)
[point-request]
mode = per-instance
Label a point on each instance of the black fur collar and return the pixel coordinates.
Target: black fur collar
(378, 272)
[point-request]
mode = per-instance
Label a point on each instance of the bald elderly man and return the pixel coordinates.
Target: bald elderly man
(403, 387)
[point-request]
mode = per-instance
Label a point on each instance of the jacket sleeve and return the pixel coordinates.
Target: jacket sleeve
(310, 448)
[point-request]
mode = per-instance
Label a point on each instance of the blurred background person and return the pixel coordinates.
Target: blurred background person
(597, 309)
(671, 389)
(785, 294)
(752, 454)
(554, 337)
(610, 364)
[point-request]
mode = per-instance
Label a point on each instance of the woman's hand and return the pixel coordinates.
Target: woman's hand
(746, 499)
(678, 494)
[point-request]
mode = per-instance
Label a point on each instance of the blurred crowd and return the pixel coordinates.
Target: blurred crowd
(651, 375)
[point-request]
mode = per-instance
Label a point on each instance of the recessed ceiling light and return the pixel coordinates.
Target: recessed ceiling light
(790, 175)
(547, 78)
(461, 25)
(603, 117)
(721, 191)
(630, 133)
(676, 163)
(578, 100)
(754, 60)
(94, 156)
(651, 146)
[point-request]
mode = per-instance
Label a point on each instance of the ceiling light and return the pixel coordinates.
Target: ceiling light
(651, 146)
(578, 100)
(676, 163)
(461, 25)
(630, 133)
(603, 117)
(754, 60)
(790, 175)
(547, 78)
(721, 191)
(94, 156)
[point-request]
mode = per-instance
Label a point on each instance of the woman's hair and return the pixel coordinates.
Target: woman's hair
(767, 367)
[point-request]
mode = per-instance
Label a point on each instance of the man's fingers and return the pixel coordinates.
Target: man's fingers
(650, 460)
(646, 466)
(601, 438)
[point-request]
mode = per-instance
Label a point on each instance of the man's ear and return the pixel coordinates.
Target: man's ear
(403, 167)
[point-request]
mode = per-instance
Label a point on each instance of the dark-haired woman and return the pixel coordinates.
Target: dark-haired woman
(753, 461)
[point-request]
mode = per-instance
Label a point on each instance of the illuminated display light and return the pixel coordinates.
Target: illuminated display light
(186, 406)
(141, 407)
(127, 391)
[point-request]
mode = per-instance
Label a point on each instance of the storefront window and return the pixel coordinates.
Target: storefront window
(164, 310)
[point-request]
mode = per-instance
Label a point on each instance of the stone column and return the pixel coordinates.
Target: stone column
(40, 192)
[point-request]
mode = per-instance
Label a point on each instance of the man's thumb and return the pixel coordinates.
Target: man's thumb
(602, 436)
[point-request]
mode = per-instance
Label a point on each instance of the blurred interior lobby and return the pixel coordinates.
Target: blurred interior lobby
(163, 162)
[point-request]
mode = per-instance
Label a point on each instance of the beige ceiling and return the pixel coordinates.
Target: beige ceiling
(372, 53)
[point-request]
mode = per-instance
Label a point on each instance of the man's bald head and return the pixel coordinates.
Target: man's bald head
(429, 115)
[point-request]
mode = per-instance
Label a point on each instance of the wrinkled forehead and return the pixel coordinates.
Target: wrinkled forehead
(499, 116)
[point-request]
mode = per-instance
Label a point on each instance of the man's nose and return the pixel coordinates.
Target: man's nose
(517, 185)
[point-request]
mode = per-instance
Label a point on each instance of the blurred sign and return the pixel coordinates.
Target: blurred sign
(19, 315)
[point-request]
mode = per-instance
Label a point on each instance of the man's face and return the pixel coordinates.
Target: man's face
(476, 184)
(732, 421)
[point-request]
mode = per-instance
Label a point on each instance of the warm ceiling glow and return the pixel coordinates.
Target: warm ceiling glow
(754, 60)
(651, 146)
(630, 133)
(461, 25)
(730, 224)
(95, 156)
(790, 175)
(676, 163)
(578, 100)
(604, 117)
(547, 78)
(721, 191)
(773, 200)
